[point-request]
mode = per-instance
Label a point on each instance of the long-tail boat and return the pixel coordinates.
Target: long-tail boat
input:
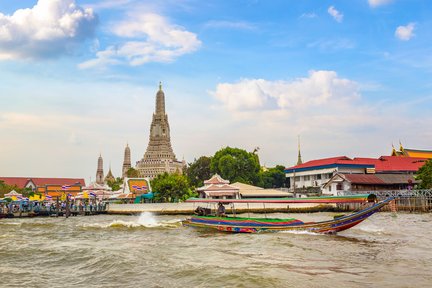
(253, 225)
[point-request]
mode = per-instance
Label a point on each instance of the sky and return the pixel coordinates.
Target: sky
(78, 79)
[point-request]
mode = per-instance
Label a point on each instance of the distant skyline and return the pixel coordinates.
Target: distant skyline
(79, 79)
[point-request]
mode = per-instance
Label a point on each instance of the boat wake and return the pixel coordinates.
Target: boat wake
(145, 220)
(300, 232)
(369, 228)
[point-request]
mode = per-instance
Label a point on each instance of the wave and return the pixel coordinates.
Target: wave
(300, 232)
(11, 223)
(145, 220)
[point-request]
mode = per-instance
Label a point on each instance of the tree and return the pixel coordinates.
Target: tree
(115, 184)
(5, 188)
(171, 188)
(198, 171)
(132, 173)
(424, 174)
(273, 177)
(236, 165)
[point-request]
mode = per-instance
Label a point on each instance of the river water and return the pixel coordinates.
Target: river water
(156, 251)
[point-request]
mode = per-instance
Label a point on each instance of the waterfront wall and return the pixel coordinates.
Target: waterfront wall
(189, 208)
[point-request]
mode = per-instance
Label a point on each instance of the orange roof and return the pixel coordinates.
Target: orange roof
(21, 182)
(419, 153)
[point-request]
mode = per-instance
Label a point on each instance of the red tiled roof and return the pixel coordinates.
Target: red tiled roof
(379, 179)
(394, 163)
(382, 164)
(22, 181)
(363, 179)
(320, 162)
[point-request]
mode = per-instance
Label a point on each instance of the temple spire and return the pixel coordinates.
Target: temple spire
(99, 171)
(160, 101)
(299, 160)
(126, 161)
(159, 156)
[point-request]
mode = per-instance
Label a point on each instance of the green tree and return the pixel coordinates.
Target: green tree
(5, 188)
(115, 184)
(198, 171)
(424, 174)
(132, 173)
(273, 177)
(236, 165)
(171, 188)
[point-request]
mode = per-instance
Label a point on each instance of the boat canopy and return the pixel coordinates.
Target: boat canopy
(360, 198)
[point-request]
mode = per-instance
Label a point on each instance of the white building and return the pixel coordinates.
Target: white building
(316, 173)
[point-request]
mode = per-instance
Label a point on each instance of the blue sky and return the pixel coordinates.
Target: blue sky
(79, 78)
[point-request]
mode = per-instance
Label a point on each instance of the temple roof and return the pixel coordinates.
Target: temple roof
(109, 175)
(216, 179)
(408, 152)
(216, 183)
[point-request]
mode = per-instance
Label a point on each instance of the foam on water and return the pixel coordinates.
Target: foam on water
(369, 228)
(300, 232)
(145, 220)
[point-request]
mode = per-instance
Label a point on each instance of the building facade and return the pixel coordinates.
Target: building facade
(361, 183)
(159, 156)
(317, 173)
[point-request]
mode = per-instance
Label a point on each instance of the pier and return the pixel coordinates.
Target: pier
(20, 210)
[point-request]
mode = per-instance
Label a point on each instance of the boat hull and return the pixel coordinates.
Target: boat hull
(253, 225)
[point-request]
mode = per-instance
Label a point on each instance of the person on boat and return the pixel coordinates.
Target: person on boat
(221, 210)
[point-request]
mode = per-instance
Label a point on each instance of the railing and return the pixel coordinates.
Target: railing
(405, 200)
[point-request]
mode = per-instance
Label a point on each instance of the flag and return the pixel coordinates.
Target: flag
(92, 194)
(65, 187)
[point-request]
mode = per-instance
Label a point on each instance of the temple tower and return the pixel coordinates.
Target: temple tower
(126, 161)
(109, 176)
(159, 156)
(299, 160)
(99, 172)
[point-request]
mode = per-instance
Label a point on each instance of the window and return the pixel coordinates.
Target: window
(306, 178)
(318, 177)
(339, 186)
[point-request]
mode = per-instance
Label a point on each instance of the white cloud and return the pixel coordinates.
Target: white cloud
(321, 87)
(309, 15)
(108, 4)
(242, 25)
(49, 29)
(151, 38)
(335, 14)
(332, 44)
(376, 3)
(405, 33)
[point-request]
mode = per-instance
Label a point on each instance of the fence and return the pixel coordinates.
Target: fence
(405, 200)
